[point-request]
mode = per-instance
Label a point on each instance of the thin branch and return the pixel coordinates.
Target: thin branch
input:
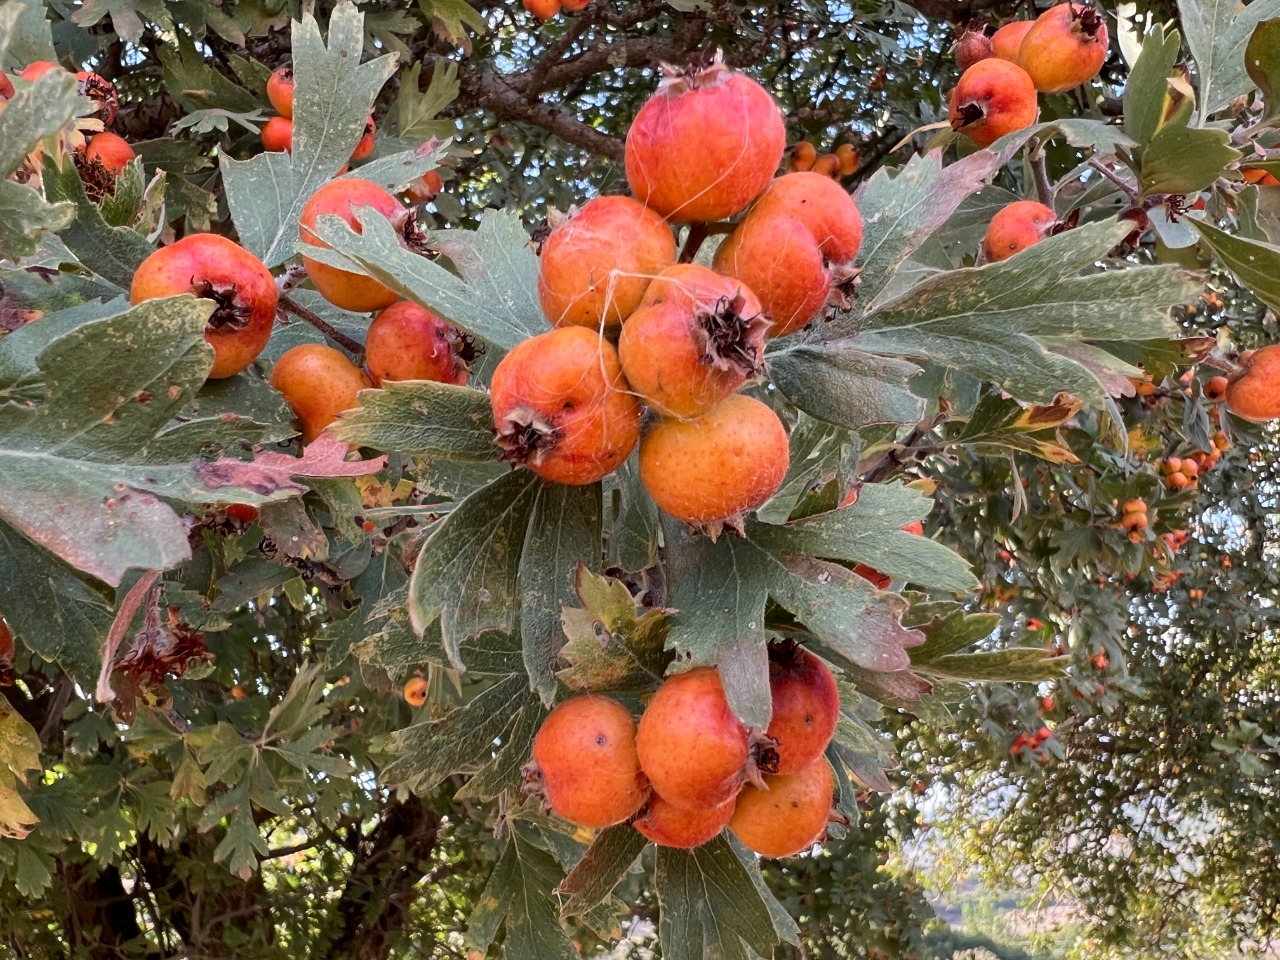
(324, 326)
(1039, 167)
(1119, 181)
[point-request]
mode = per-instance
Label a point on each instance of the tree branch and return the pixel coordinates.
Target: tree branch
(491, 91)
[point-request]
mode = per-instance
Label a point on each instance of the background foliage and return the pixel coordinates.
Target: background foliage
(253, 786)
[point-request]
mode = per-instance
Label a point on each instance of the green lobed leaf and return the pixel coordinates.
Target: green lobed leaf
(453, 16)
(984, 320)
(24, 34)
(506, 770)
(1262, 62)
(1255, 264)
(632, 519)
(820, 453)
(563, 535)
(518, 897)
(998, 424)
(1010, 665)
(1217, 33)
(902, 206)
(870, 531)
(947, 629)
(19, 754)
(461, 741)
(334, 97)
(1184, 160)
(495, 298)
(710, 907)
(424, 418)
(25, 217)
(113, 253)
(1148, 82)
(843, 385)
(466, 573)
(607, 861)
(35, 112)
(416, 112)
(611, 645)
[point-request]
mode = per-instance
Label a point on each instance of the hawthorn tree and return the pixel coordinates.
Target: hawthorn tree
(209, 625)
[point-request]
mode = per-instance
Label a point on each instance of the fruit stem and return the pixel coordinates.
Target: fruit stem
(1044, 189)
(697, 234)
(353, 347)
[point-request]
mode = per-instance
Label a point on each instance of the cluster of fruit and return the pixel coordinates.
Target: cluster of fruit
(842, 163)
(101, 156)
(1061, 49)
(277, 133)
(1032, 744)
(691, 768)
(546, 9)
(1134, 520)
(568, 404)
(404, 341)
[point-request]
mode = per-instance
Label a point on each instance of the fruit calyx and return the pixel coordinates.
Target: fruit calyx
(1089, 19)
(763, 759)
(968, 114)
(102, 92)
(231, 313)
(703, 70)
(99, 182)
(415, 238)
(729, 339)
(525, 437)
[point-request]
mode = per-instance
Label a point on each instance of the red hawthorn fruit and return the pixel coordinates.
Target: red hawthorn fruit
(705, 145)
(1215, 390)
(710, 471)
(880, 580)
(685, 355)
(789, 816)
(586, 753)
(110, 150)
(319, 382)
(37, 68)
(1006, 41)
(1254, 392)
(973, 45)
(596, 265)
(543, 9)
(691, 746)
(1262, 178)
(776, 254)
(407, 342)
(6, 87)
(1015, 227)
(415, 691)
(1065, 47)
(245, 513)
(993, 97)
(847, 154)
(280, 91)
(1047, 704)
(426, 187)
(806, 706)
(823, 206)
(803, 156)
(342, 288)
(364, 146)
(220, 270)
(669, 826)
(827, 165)
(277, 135)
(562, 408)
